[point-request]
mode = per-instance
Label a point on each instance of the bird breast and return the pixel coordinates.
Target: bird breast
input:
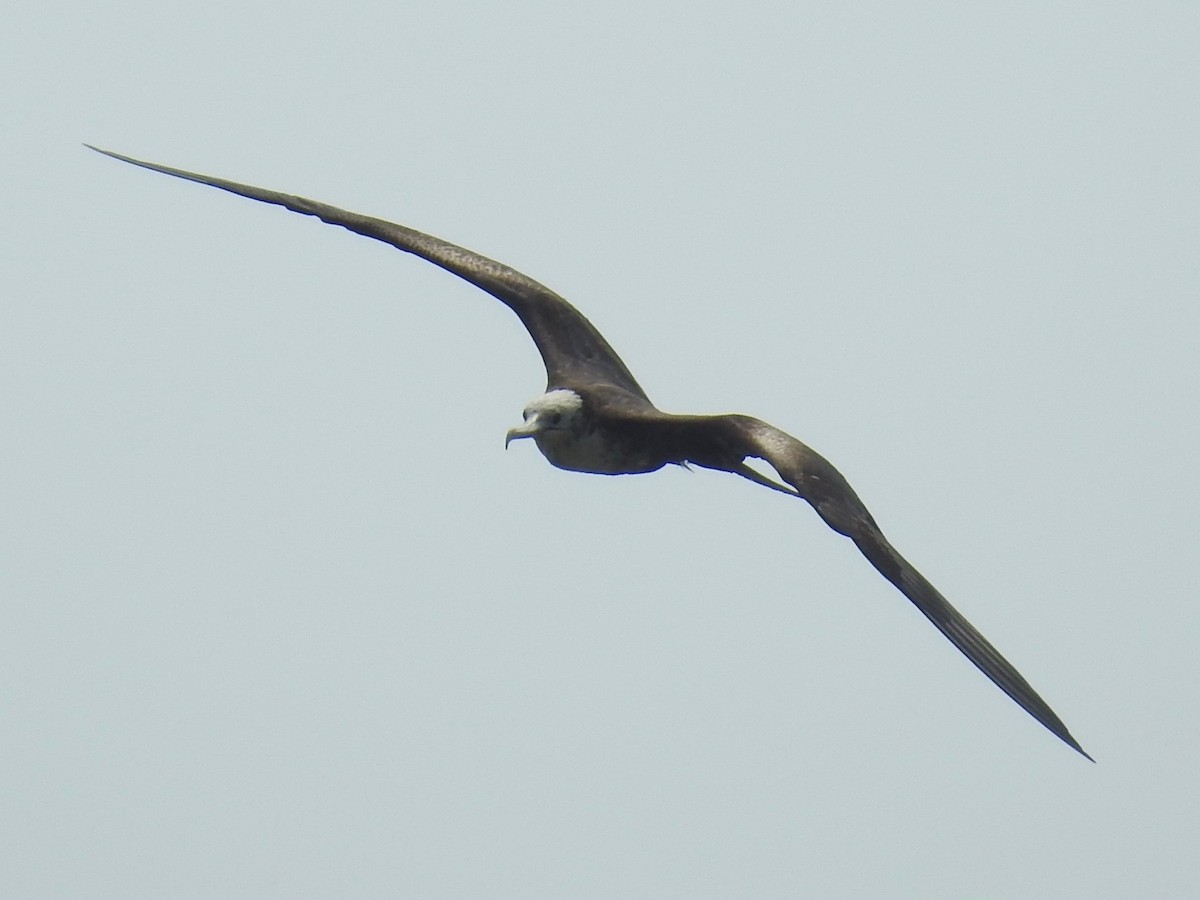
(596, 452)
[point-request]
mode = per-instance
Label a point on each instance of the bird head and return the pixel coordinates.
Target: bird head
(552, 411)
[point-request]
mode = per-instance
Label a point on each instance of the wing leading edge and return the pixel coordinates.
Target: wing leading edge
(723, 442)
(573, 350)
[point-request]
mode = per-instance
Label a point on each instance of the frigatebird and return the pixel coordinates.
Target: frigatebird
(594, 417)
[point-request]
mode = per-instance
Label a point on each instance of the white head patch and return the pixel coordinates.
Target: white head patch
(562, 401)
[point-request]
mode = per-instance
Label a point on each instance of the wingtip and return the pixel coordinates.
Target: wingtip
(104, 152)
(1067, 739)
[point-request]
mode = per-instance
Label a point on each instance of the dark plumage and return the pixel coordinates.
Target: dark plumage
(595, 417)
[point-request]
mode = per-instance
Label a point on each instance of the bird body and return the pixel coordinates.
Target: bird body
(594, 417)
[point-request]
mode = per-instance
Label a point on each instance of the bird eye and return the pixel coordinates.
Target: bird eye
(556, 418)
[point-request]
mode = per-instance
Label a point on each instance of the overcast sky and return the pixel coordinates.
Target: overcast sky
(281, 616)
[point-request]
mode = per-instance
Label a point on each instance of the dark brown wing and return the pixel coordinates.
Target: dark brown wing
(722, 442)
(574, 352)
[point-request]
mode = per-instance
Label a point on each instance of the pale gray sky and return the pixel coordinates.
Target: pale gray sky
(281, 617)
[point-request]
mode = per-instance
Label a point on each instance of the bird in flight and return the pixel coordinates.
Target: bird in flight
(594, 417)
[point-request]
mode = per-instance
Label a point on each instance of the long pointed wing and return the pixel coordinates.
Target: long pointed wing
(818, 482)
(575, 353)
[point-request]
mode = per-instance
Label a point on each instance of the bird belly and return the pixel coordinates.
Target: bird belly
(594, 453)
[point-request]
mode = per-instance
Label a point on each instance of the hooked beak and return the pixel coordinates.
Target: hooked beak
(528, 429)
